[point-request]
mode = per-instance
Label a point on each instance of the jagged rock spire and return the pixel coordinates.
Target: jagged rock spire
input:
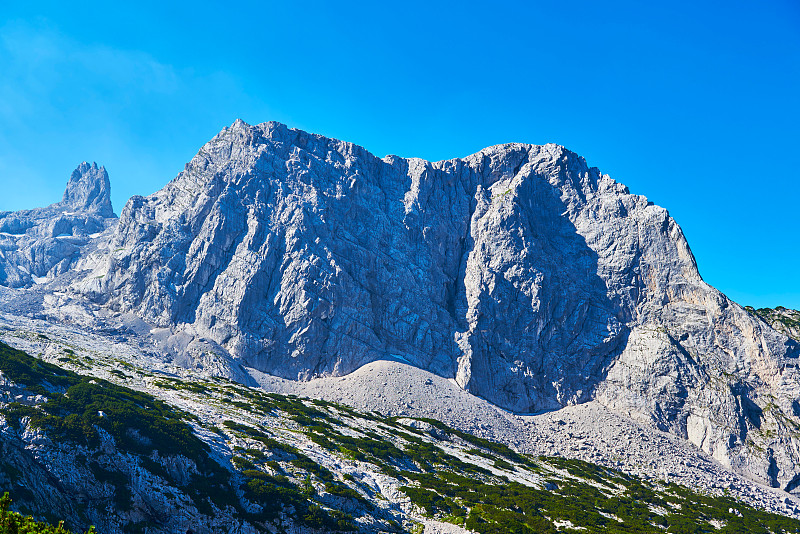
(40, 244)
(89, 189)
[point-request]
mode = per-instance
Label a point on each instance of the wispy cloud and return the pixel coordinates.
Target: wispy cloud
(67, 97)
(46, 71)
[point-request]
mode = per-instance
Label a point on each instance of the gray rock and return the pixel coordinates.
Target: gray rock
(305, 256)
(89, 190)
(39, 244)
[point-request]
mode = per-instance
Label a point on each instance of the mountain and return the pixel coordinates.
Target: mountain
(39, 244)
(533, 280)
(518, 275)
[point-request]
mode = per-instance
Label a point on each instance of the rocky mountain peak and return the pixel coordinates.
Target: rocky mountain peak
(306, 256)
(89, 189)
(42, 243)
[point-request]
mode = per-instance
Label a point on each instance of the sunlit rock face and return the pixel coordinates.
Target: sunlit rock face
(39, 244)
(530, 278)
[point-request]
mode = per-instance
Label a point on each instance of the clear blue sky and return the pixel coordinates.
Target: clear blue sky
(693, 104)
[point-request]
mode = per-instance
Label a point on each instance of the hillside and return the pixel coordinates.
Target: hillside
(238, 458)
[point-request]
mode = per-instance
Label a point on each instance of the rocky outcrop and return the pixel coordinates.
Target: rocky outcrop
(39, 244)
(781, 319)
(89, 190)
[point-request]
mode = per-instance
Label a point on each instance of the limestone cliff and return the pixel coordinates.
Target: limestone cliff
(781, 319)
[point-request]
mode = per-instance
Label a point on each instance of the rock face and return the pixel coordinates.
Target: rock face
(307, 256)
(39, 244)
(532, 279)
(89, 190)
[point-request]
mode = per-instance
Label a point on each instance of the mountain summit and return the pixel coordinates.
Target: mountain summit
(89, 190)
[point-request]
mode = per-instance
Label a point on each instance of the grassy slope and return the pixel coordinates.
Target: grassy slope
(446, 474)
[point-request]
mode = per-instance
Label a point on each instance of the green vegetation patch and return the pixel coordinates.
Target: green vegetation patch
(36, 375)
(139, 423)
(13, 523)
(598, 500)
(181, 385)
(277, 494)
(497, 448)
(255, 434)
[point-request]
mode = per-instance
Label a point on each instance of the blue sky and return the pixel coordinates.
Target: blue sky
(692, 104)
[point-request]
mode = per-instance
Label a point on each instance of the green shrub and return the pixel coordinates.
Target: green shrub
(14, 523)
